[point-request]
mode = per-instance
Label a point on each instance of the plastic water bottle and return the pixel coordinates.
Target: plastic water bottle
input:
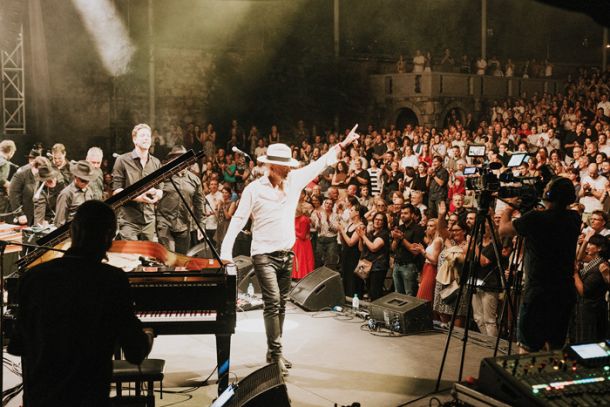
(250, 290)
(355, 302)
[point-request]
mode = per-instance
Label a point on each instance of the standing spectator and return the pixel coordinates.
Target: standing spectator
(374, 177)
(433, 245)
(481, 66)
(351, 252)
(465, 65)
(419, 60)
(375, 247)
(509, 70)
(591, 322)
(485, 296)
(405, 239)
(450, 262)
(224, 212)
(400, 65)
(303, 252)
(437, 184)
(592, 190)
(326, 222)
(358, 176)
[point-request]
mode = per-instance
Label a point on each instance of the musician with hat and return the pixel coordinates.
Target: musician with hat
(173, 218)
(73, 196)
(49, 185)
(271, 202)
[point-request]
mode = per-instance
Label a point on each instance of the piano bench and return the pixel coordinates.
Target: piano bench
(150, 371)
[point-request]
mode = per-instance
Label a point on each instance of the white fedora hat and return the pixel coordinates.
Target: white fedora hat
(279, 154)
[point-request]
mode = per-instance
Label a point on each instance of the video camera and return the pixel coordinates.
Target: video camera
(484, 181)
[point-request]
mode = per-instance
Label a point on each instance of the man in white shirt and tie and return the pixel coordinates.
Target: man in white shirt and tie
(271, 202)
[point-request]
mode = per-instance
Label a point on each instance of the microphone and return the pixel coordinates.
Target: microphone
(237, 150)
(49, 155)
(115, 155)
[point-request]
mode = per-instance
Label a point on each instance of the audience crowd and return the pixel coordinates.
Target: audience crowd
(401, 197)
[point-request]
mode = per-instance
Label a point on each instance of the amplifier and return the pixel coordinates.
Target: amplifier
(402, 313)
(549, 378)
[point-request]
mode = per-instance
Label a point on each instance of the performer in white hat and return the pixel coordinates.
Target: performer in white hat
(271, 201)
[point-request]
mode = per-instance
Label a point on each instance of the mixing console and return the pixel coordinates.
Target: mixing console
(576, 377)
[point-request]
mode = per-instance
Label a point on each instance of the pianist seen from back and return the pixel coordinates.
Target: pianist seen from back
(72, 312)
(271, 201)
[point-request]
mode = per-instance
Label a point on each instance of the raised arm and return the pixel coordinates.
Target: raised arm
(303, 176)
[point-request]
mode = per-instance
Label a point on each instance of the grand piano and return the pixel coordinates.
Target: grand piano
(178, 296)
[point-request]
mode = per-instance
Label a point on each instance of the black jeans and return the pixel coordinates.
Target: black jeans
(273, 271)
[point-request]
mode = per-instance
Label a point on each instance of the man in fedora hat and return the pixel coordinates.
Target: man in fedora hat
(50, 184)
(271, 202)
(173, 218)
(137, 217)
(76, 192)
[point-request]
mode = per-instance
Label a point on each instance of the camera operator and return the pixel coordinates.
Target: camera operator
(550, 251)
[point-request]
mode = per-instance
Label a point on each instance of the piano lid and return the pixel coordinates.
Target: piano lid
(62, 233)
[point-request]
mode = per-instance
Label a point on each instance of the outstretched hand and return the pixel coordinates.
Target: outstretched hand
(351, 137)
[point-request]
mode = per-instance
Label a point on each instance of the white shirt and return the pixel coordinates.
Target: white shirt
(272, 209)
(590, 202)
(409, 161)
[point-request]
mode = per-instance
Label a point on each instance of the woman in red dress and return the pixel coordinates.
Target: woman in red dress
(303, 251)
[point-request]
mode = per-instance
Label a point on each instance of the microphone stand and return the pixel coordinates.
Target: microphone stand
(3, 244)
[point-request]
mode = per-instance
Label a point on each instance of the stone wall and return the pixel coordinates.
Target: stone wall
(89, 107)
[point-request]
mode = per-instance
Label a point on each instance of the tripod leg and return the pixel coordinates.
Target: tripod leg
(464, 281)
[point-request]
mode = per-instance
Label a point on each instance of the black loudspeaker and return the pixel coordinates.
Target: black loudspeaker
(322, 288)
(402, 313)
(245, 274)
(264, 387)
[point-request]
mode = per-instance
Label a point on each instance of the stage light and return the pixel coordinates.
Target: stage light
(108, 32)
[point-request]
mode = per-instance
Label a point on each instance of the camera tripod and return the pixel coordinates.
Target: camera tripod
(515, 279)
(468, 277)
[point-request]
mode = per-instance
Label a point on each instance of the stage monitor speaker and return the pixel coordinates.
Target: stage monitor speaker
(262, 388)
(246, 274)
(402, 313)
(322, 288)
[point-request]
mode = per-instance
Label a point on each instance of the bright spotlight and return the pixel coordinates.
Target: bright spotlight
(109, 34)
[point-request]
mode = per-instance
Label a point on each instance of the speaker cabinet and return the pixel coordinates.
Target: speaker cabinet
(402, 313)
(322, 288)
(264, 387)
(245, 274)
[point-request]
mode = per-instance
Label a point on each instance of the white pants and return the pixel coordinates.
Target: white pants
(485, 309)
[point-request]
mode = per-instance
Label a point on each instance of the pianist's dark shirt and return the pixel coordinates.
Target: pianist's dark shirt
(72, 313)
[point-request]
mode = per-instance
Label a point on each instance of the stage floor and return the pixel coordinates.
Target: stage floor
(335, 361)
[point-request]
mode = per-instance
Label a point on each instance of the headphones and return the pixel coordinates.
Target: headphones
(559, 189)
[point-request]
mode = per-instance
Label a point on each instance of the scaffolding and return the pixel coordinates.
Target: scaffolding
(13, 89)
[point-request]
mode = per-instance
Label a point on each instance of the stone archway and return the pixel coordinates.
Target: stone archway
(451, 113)
(406, 116)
